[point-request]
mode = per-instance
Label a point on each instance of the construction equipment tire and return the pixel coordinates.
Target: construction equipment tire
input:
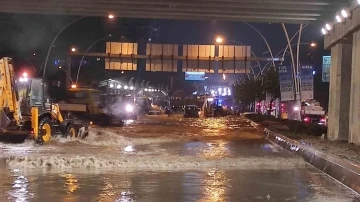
(45, 131)
(71, 131)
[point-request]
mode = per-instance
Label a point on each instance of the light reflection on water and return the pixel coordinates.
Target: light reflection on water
(215, 186)
(216, 149)
(210, 184)
(201, 186)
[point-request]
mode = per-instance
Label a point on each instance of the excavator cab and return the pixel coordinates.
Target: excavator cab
(26, 107)
(34, 93)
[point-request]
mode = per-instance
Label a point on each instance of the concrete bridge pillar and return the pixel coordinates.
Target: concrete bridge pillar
(354, 128)
(339, 98)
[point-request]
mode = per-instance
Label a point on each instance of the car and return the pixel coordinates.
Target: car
(191, 111)
(314, 118)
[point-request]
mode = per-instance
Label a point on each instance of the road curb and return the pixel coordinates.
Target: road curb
(346, 172)
(254, 124)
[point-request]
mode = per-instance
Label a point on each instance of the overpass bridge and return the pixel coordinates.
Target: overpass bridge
(342, 37)
(272, 11)
(342, 34)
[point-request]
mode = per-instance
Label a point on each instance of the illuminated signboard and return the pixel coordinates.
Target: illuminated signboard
(194, 76)
(326, 68)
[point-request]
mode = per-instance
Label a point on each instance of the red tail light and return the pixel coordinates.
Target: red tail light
(322, 120)
(306, 119)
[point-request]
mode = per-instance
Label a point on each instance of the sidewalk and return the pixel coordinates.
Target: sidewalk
(341, 149)
(339, 160)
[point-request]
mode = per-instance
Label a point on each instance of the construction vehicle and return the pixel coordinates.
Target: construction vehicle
(26, 108)
(95, 110)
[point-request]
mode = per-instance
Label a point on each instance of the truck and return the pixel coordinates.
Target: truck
(98, 107)
(310, 111)
(27, 109)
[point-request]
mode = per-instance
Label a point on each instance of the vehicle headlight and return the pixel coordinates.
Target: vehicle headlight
(129, 108)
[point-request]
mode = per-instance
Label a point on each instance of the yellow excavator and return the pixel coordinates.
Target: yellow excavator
(26, 109)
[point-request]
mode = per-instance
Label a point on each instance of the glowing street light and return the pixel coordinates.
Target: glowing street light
(338, 18)
(73, 49)
(313, 44)
(328, 27)
(323, 31)
(219, 40)
(73, 86)
(344, 13)
(25, 74)
(111, 16)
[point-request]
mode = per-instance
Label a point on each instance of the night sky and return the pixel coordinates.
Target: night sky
(23, 35)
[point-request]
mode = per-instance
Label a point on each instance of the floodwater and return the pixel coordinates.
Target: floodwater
(163, 159)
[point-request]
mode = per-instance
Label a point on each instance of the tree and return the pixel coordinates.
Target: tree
(249, 90)
(271, 86)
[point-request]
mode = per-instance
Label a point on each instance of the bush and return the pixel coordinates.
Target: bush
(259, 118)
(295, 127)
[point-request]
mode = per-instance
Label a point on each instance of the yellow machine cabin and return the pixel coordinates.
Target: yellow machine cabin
(26, 108)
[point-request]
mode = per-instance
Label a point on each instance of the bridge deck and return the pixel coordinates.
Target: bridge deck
(272, 11)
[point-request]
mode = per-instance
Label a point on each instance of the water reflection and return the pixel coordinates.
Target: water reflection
(71, 185)
(215, 186)
(125, 197)
(117, 189)
(20, 192)
(216, 149)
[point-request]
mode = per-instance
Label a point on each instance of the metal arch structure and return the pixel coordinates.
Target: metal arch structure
(272, 11)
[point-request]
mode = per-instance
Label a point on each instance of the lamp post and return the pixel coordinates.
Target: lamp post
(221, 40)
(87, 50)
(53, 42)
(110, 16)
(264, 39)
(60, 67)
(295, 68)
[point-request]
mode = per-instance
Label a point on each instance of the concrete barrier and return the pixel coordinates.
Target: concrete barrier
(346, 172)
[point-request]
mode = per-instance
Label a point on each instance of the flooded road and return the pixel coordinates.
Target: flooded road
(163, 159)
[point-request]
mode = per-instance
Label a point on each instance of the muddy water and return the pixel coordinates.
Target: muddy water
(163, 159)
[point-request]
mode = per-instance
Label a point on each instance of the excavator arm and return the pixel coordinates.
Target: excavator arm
(9, 98)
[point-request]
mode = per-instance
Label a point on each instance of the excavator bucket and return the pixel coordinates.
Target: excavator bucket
(4, 120)
(83, 132)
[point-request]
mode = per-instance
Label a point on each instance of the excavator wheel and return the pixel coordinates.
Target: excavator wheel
(45, 131)
(71, 131)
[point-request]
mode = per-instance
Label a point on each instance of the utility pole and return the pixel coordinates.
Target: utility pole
(171, 83)
(171, 89)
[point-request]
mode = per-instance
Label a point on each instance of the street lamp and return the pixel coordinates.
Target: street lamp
(219, 40)
(222, 39)
(58, 34)
(87, 50)
(53, 42)
(338, 18)
(313, 44)
(73, 49)
(60, 67)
